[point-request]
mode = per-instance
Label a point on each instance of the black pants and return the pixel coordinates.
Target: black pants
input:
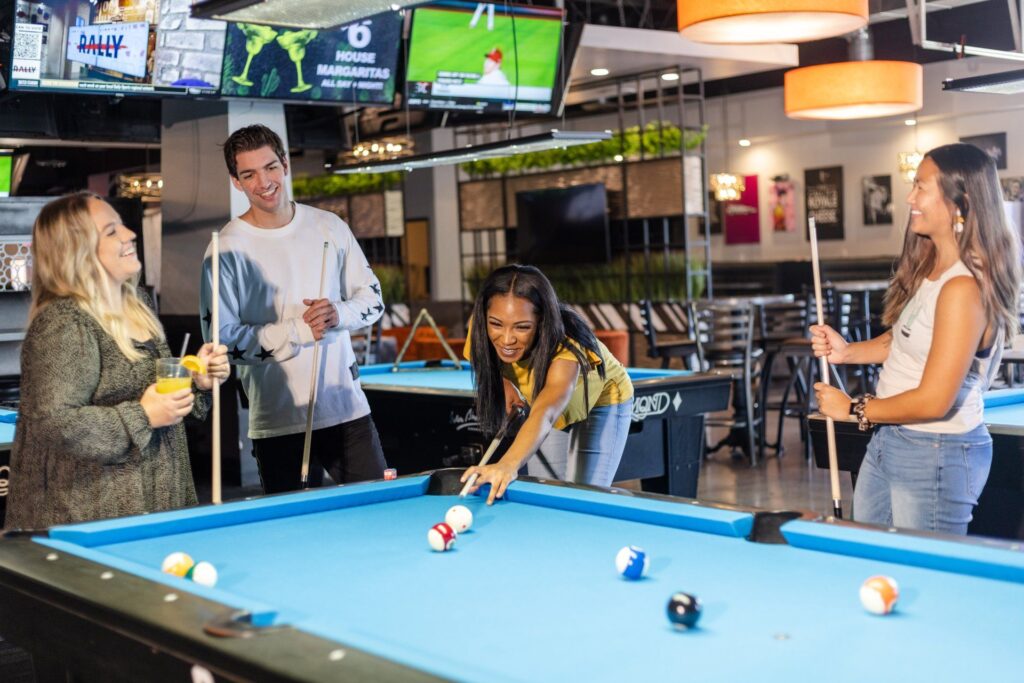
(349, 452)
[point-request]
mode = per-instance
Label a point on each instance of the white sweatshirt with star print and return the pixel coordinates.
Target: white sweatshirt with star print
(264, 276)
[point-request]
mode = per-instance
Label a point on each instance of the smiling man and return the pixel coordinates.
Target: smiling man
(271, 314)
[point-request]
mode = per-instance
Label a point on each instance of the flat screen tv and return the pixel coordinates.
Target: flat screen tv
(6, 172)
(352, 64)
(109, 48)
(485, 57)
(562, 226)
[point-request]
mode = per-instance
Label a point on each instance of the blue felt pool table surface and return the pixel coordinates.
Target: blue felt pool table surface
(6, 429)
(447, 377)
(530, 593)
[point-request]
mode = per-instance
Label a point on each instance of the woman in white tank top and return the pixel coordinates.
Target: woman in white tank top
(952, 302)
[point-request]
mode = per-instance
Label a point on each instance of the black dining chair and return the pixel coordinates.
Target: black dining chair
(725, 333)
(686, 349)
(804, 367)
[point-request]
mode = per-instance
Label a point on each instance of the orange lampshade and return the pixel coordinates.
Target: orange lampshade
(854, 90)
(768, 21)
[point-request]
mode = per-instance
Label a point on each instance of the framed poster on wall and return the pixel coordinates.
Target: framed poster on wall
(823, 194)
(742, 218)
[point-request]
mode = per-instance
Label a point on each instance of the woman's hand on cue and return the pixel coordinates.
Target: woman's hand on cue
(827, 342)
(499, 476)
(831, 401)
(217, 367)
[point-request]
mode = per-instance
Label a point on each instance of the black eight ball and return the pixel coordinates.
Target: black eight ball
(683, 610)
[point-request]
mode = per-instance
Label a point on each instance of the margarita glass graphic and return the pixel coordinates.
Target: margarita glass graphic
(256, 38)
(294, 43)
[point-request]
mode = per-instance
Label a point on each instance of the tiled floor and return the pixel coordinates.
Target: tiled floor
(787, 482)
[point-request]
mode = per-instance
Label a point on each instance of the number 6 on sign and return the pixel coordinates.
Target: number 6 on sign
(359, 36)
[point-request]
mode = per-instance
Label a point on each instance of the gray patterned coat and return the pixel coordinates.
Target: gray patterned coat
(83, 447)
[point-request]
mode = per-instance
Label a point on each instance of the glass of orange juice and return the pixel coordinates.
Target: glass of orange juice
(172, 376)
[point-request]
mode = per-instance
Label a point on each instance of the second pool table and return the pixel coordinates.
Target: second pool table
(426, 419)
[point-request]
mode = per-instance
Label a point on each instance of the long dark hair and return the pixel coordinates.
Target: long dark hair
(988, 246)
(555, 323)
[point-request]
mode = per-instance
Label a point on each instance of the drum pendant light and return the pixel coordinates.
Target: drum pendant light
(768, 21)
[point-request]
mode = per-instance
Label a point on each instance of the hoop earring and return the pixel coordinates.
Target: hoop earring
(958, 222)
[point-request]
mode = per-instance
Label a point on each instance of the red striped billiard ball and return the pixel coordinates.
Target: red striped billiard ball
(441, 537)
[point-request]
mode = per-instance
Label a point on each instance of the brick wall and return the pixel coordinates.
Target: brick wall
(187, 48)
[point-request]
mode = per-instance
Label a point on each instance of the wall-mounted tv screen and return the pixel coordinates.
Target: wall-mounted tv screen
(350, 64)
(484, 57)
(114, 47)
(564, 225)
(6, 172)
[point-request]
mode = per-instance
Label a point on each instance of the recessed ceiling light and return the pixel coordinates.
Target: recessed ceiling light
(744, 142)
(670, 77)
(599, 72)
(910, 122)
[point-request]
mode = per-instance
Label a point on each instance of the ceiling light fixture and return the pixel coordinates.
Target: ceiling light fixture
(671, 76)
(599, 72)
(726, 185)
(744, 142)
(909, 161)
(310, 14)
(768, 21)
(491, 150)
(862, 88)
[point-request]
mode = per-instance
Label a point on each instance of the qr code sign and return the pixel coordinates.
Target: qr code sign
(28, 42)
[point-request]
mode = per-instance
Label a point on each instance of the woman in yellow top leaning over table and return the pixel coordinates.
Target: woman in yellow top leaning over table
(541, 351)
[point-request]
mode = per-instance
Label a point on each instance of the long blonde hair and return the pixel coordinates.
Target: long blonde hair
(65, 266)
(988, 246)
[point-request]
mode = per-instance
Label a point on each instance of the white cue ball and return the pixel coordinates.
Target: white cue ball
(459, 518)
(205, 574)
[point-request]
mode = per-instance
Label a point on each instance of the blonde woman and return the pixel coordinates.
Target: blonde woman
(951, 304)
(95, 439)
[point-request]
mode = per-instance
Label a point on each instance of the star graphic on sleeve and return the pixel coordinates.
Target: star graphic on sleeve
(376, 288)
(264, 354)
(237, 353)
(208, 318)
(379, 307)
(366, 315)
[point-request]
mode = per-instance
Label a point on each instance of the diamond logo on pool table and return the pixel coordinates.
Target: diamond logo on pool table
(676, 401)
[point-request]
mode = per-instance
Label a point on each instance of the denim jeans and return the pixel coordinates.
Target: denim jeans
(919, 480)
(587, 452)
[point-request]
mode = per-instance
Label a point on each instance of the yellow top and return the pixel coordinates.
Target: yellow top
(615, 388)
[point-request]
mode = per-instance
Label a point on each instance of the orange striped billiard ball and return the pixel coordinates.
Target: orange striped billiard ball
(879, 594)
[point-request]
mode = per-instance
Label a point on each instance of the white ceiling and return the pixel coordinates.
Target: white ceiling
(628, 51)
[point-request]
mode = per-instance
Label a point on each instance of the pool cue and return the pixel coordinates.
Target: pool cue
(304, 477)
(830, 425)
(215, 336)
(495, 442)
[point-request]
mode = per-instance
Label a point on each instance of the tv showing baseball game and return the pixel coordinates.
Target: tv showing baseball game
(485, 57)
(352, 64)
(112, 48)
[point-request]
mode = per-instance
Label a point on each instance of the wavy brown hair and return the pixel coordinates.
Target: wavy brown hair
(988, 245)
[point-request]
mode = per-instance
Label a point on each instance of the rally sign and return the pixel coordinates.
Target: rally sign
(117, 47)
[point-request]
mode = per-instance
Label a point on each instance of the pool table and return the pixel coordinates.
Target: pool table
(6, 443)
(1000, 509)
(425, 416)
(339, 584)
